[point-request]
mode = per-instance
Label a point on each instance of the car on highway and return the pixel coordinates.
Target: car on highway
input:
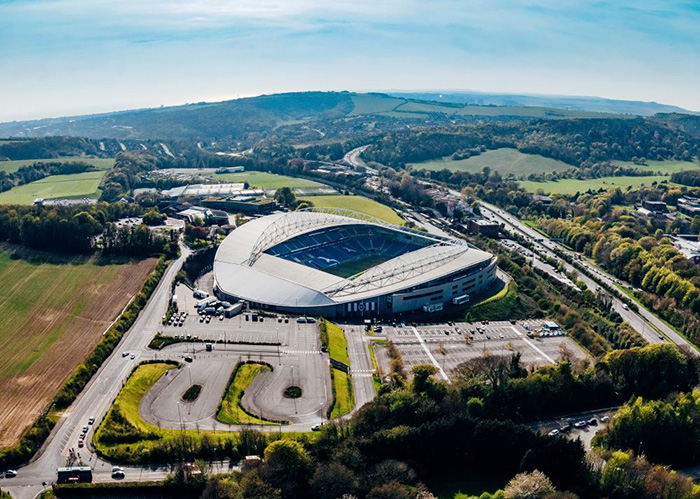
(132, 356)
(81, 442)
(125, 354)
(188, 359)
(91, 421)
(10, 474)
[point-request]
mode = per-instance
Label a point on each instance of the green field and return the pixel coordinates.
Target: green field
(373, 104)
(77, 185)
(99, 163)
(263, 180)
(572, 186)
(504, 161)
(663, 167)
(230, 409)
(357, 203)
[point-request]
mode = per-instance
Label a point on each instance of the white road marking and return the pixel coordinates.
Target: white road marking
(430, 355)
(534, 347)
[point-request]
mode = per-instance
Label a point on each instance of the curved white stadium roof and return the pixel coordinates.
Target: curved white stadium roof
(243, 269)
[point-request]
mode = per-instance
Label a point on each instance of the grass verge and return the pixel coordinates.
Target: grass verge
(343, 396)
(230, 409)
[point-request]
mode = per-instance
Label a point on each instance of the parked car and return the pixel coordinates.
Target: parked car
(553, 433)
(580, 424)
(10, 474)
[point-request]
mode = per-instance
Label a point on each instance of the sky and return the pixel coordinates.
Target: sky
(70, 57)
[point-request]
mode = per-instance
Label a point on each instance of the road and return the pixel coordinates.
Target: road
(641, 321)
(353, 159)
(95, 400)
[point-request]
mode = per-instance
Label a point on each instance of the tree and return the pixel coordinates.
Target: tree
(285, 466)
(332, 480)
(285, 197)
(534, 485)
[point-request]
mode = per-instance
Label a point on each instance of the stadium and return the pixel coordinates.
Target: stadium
(339, 263)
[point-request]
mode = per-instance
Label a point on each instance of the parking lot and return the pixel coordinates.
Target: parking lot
(238, 329)
(448, 345)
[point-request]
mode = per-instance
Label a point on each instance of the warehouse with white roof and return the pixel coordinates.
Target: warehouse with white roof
(339, 263)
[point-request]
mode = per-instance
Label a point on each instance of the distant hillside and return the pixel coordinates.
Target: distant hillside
(590, 104)
(253, 118)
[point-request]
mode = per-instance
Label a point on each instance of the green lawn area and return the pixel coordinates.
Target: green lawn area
(664, 167)
(504, 161)
(344, 396)
(263, 180)
(99, 163)
(230, 409)
(76, 185)
(572, 186)
(357, 203)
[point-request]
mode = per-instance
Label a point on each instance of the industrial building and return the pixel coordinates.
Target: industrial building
(339, 263)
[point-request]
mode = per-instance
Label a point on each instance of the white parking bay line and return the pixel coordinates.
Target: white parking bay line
(534, 347)
(430, 355)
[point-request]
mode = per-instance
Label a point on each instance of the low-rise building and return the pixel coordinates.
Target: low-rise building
(654, 206)
(486, 228)
(689, 205)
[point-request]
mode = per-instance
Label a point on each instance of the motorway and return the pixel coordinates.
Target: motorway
(644, 322)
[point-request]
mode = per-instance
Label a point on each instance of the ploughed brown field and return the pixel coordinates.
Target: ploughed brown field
(53, 310)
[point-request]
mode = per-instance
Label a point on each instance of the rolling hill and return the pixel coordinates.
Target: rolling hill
(236, 119)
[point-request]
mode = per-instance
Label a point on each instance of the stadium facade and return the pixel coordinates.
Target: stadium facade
(339, 263)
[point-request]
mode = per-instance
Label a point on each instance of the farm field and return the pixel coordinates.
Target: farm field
(263, 180)
(53, 313)
(99, 163)
(357, 203)
(504, 161)
(663, 167)
(572, 186)
(56, 186)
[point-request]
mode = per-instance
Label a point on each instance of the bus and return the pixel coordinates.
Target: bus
(74, 474)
